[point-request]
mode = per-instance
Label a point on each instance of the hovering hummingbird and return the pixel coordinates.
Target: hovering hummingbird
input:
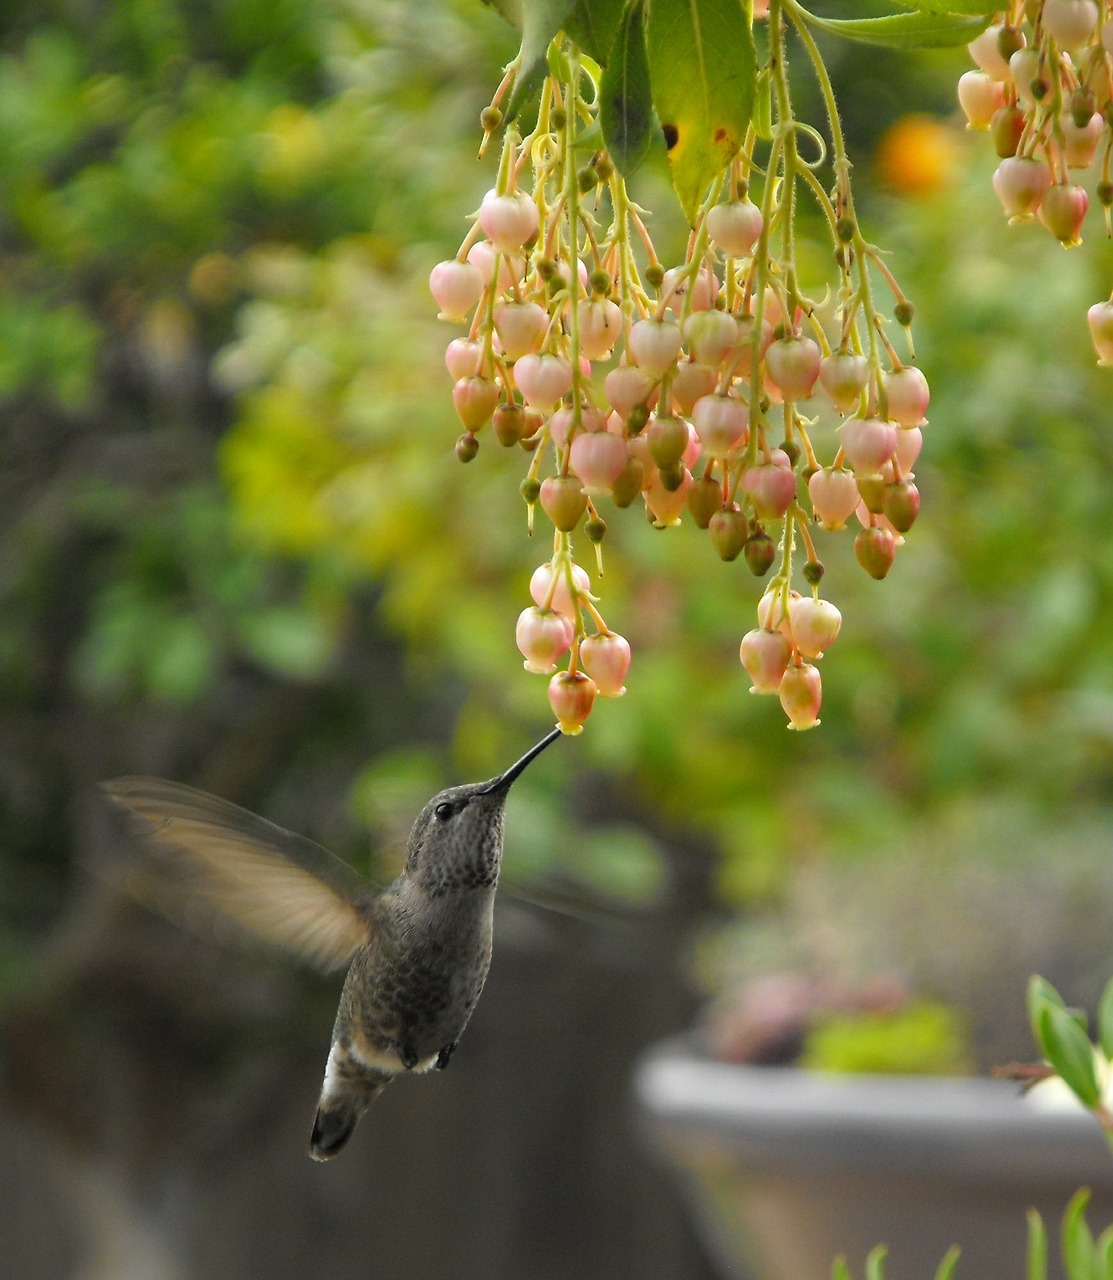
(418, 952)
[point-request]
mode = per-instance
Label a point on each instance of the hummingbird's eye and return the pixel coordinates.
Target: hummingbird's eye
(445, 810)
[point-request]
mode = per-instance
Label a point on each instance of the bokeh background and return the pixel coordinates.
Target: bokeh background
(236, 549)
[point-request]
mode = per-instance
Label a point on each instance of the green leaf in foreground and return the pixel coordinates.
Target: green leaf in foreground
(973, 8)
(593, 25)
(763, 106)
(1076, 1240)
(1039, 994)
(916, 30)
(511, 11)
(1105, 1020)
(1037, 1247)
(540, 22)
(703, 67)
(946, 1268)
(875, 1263)
(1069, 1051)
(625, 100)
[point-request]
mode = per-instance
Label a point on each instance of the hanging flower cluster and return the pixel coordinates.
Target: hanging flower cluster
(711, 390)
(1043, 89)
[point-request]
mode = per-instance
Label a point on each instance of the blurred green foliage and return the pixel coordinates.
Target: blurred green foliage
(216, 223)
(147, 150)
(1084, 1256)
(922, 1038)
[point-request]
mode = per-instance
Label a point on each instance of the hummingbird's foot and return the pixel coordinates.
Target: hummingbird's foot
(445, 1055)
(408, 1056)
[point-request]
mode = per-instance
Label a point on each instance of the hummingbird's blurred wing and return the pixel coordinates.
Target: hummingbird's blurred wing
(279, 886)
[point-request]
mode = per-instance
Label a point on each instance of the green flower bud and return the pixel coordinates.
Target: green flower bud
(1009, 40)
(871, 489)
(901, 504)
(1083, 104)
(604, 167)
(729, 530)
(509, 423)
(875, 549)
(628, 483)
(759, 552)
(637, 418)
(672, 477)
(596, 529)
(705, 497)
(668, 438)
(1005, 128)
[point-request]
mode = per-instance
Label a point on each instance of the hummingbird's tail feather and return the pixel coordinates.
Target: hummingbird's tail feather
(350, 1088)
(332, 1127)
(337, 1117)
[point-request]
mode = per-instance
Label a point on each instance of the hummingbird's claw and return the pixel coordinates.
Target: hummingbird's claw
(445, 1055)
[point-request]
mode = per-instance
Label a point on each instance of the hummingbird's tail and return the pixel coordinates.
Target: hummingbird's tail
(334, 1124)
(349, 1089)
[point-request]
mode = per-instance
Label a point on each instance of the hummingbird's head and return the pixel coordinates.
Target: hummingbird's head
(456, 842)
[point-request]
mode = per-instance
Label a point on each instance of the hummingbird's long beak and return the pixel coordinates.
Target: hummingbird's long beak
(503, 781)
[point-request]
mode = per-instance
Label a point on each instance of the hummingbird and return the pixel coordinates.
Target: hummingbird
(417, 952)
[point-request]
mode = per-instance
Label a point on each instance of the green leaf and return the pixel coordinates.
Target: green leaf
(594, 24)
(839, 1269)
(973, 8)
(1069, 1051)
(703, 67)
(558, 61)
(763, 106)
(875, 1263)
(1103, 1255)
(1037, 1247)
(625, 99)
(1105, 1020)
(589, 138)
(918, 30)
(1077, 1242)
(946, 1268)
(1040, 994)
(511, 11)
(540, 21)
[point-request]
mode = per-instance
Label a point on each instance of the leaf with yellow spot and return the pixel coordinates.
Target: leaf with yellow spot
(703, 68)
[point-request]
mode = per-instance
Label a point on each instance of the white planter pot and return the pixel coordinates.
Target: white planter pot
(785, 1168)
